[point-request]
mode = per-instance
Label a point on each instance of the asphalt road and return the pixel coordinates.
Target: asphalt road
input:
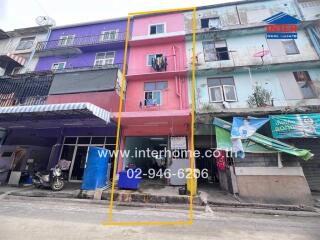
(59, 219)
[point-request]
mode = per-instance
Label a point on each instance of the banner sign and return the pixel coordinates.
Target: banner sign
(245, 127)
(295, 125)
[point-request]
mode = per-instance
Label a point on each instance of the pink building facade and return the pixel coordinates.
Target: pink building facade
(157, 89)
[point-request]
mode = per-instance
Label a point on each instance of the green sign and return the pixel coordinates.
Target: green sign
(295, 125)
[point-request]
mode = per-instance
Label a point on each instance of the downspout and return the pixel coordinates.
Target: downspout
(177, 79)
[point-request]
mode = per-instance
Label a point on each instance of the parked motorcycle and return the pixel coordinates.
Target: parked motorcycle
(54, 179)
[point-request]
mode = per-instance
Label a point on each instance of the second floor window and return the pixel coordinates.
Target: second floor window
(153, 92)
(290, 47)
(104, 58)
(66, 40)
(305, 84)
(215, 51)
(222, 89)
(25, 43)
(109, 35)
(157, 29)
(58, 66)
(212, 23)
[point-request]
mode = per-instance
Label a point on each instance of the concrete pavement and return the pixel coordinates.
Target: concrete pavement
(59, 219)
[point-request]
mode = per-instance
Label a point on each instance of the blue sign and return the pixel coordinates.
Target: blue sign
(282, 26)
(242, 128)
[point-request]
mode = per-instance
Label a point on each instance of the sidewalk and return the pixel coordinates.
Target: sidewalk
(155, 195)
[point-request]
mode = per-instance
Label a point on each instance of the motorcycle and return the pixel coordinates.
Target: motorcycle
(54, 179)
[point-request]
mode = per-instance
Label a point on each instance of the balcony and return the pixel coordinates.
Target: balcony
(80, 44)
(25, 89)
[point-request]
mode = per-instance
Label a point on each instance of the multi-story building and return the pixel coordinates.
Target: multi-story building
(17, 49)
(156, 114)
(234, 61)
(76, 83)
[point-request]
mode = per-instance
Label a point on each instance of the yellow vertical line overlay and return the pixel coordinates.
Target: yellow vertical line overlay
(124, 69)
(193, 78)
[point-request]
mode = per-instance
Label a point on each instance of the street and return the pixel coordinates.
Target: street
(40, 218)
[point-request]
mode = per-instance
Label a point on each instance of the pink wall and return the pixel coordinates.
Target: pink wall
(106, 100)
(138, 57)
(174, 23)
(170, 100)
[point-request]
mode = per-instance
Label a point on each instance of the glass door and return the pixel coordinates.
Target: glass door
(79, 163)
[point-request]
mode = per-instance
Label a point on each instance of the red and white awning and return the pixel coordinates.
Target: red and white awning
(20, 60)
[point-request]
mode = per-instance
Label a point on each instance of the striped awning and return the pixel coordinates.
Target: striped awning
(16, 60)
(54, 114)
(20, 60)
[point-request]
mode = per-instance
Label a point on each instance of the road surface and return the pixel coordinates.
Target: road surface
(60, 219)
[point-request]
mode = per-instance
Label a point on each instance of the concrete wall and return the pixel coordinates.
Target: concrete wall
(281, 83)
(274, 189)
(242, 50)
(173, 23)
(242, 14)
(170, 100)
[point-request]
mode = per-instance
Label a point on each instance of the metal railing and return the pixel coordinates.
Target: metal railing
(25, 89)
(88, 68)
(81, 41)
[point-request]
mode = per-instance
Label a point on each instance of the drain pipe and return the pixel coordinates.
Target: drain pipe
(177, 79)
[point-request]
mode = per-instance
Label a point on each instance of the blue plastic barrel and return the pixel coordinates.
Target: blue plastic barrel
(95, 173)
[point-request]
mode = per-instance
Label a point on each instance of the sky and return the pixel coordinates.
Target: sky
(22, 13)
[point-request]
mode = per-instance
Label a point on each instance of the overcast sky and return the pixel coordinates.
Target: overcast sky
(22, 13)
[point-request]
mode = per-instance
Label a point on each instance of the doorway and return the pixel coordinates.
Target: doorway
(75, 149)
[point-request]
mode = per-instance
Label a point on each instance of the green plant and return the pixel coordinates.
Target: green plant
(206, 107)
(260, 97)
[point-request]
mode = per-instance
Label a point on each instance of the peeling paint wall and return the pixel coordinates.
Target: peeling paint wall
(243, 43)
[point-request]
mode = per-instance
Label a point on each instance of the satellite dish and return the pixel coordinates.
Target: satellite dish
(45, 20)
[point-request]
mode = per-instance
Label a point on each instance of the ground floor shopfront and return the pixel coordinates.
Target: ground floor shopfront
(158, 132)
(45, 135)
(271, 173)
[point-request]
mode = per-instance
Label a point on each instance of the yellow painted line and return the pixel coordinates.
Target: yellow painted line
(193, 79)
(109, 221)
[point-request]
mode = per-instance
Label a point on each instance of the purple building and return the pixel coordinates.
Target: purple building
(70, 98)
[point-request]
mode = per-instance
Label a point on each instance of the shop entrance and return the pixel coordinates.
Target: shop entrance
(151, 163)
(75, 149)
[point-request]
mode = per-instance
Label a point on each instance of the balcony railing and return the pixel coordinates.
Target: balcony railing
(81, 41)
(25, 89)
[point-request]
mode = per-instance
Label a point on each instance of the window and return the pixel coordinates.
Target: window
(66, 40)
(305, 84)
(157, 29)
(212, 23)
(222, 89)
(25, 43)
(152, 92)
(109, 35)
(104, 58)
(152, 56)
(290, 47)
(215, 51)
(58, 66)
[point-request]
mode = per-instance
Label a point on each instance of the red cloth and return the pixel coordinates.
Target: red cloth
(221, 161)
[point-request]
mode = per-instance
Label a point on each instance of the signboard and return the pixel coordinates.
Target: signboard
(295, 125)
(178, 143)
